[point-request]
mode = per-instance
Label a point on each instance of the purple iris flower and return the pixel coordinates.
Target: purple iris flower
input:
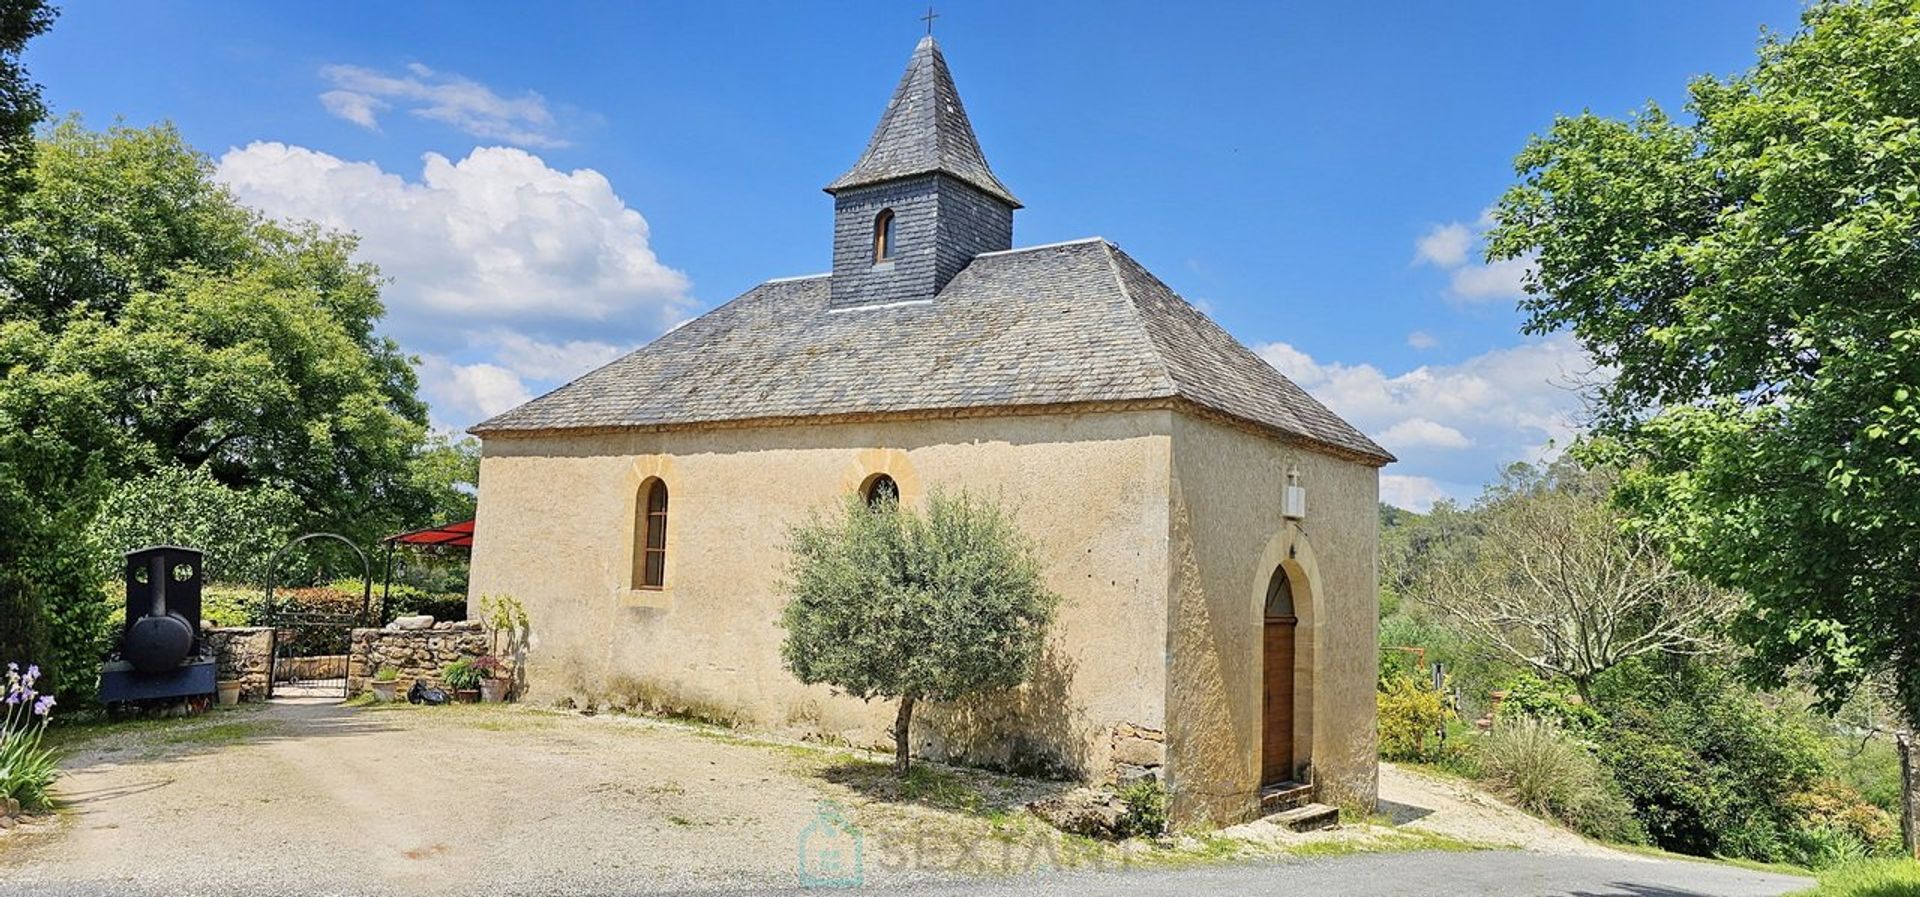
(43, 705)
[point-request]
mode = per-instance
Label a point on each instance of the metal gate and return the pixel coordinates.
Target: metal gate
(312, 649)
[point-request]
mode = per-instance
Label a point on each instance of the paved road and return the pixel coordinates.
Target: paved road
(1479, 874)
(1484, 874)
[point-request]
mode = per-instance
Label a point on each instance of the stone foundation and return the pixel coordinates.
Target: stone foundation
(1138, 753)
(415, 653)
(243, 653)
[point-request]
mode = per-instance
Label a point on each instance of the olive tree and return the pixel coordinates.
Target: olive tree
(928, 605)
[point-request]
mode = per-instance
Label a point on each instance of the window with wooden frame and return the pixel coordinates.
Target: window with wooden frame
(650, 536)
(883, 236)
(881, 491)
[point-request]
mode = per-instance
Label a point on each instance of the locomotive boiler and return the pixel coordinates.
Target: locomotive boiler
(160, 654)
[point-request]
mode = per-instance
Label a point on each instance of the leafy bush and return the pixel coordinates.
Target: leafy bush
(225, 605)
(26, 769)
(1146, 813)
(404, 600)
(1529, 696)
(1411, 713)
(238, 529)
(1709, 768)
(1543, 770)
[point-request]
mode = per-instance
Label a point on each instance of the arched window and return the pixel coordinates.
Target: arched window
(883, 236)
(881, 489)
(650, 536)
(1280, 594)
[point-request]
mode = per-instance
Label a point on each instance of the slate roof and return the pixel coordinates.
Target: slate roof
(1048, 325)
(924, 130)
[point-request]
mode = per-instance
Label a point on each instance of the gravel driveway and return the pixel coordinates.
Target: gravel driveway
(320, 799)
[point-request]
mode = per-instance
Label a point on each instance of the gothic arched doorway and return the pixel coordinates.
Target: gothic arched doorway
(1277, 716)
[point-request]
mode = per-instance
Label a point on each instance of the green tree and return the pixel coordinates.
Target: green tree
(1751, 276)
(926, 606)
(151, 327)
(20, 106)
(230, 343)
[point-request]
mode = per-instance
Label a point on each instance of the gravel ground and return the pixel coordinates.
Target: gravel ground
(321, 799)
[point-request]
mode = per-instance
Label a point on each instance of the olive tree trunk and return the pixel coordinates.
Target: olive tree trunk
(900, 724)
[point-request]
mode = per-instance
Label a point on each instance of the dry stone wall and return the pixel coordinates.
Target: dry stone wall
(414, 653)
(244, 653)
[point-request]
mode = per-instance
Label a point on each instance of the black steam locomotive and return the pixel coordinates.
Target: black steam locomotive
(161, 654)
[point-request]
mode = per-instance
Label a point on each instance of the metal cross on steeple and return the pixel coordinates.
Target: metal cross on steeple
(928, 18)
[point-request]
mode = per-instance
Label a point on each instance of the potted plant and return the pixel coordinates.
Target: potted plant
(463, 677)
(386, 682)
(229, 690)
(495, 681)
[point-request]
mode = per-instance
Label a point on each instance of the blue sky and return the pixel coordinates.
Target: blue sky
(549, 190)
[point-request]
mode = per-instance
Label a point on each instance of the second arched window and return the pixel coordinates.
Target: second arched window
(650, 530)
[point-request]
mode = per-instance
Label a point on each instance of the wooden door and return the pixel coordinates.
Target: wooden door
(1276, 752)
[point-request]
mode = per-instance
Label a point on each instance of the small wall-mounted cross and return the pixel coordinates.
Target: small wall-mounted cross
(928, 18)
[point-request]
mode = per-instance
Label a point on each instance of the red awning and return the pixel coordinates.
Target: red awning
(458, 535)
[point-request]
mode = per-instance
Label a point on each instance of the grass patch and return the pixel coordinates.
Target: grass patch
(220, 733)
(1390, 841)
(69, 736)
(924, 784)
(1869, 878)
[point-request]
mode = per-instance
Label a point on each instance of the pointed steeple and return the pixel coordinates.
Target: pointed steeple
(924, 131)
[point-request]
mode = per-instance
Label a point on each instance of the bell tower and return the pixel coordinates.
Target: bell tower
(921, 202)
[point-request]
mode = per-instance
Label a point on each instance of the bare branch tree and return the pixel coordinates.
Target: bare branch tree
(1550, 579)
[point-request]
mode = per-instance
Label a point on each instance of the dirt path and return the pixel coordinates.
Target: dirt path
(1422, 802)
(324, 799)
(320, 798)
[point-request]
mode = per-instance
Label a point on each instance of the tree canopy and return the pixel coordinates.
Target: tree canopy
(1752, 276)
(155, 334)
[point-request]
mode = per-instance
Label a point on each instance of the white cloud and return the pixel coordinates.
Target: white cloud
(556, 361)
(1412, 493)
(1511, 404)
(473, 108)
(1448, 247)
(508, 277)
(463, 394)
(1444, 245)
(358, 108)
(496, 238)
(1420, 339)
(1418, 432)
(1503, 279)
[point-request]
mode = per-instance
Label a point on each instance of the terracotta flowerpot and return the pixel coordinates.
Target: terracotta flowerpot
(384, 691)
(229, 691)
(494, 691)
(467, 695)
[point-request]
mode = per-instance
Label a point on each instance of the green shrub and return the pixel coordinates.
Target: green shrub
(238, 529)
(228, 605)
(1146, 813)
(1529, 696)
(1411, 715)
(1544, 771)
(1710, 769)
